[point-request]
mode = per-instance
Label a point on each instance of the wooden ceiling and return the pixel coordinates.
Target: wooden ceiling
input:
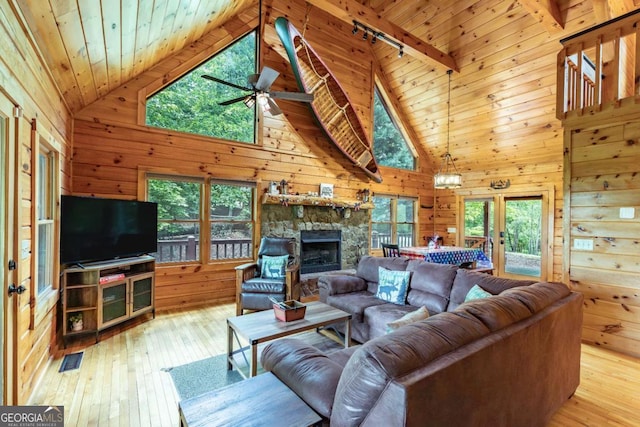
(504, 51)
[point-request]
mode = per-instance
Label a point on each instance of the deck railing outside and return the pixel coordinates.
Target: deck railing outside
(188, 249)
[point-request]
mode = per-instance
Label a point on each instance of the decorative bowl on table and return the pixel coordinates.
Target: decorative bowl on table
(287, 311)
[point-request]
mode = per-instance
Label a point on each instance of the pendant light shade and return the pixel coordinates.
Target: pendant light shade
(448, 175)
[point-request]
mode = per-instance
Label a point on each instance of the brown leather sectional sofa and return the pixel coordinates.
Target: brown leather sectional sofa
(508, 360)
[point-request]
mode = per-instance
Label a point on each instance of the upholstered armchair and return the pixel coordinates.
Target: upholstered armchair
(276, 274)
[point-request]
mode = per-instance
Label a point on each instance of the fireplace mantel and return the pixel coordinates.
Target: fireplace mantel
(305, 200)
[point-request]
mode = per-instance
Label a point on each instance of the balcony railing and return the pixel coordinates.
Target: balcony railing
(599, 68)
(188, 249)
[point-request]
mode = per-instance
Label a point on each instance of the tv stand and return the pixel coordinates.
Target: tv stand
(103, 294)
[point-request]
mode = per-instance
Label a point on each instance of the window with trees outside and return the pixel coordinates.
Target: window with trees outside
(45, 208)
(390, 147)
(202, 219)
(191, 103)
(393, 220)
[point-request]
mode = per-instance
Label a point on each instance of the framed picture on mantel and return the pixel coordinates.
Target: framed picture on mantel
(326, 190)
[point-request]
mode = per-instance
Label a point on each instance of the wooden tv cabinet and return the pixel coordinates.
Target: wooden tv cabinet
(106, 293)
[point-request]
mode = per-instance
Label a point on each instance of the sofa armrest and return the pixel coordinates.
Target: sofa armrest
(305, 370)
(340, 284)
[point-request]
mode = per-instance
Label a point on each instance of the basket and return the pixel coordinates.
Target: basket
(293, 311)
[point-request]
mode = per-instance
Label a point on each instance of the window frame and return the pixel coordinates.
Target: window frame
(393, 206)
(204, 221)
(160, 84)
(390, 108)
(44, 298)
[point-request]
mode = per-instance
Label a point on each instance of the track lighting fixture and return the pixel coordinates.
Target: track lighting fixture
(375, 36)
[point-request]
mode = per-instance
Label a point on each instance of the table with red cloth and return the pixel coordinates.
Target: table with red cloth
(445, 254)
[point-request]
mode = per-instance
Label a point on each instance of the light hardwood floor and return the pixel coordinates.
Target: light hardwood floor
(121, 381)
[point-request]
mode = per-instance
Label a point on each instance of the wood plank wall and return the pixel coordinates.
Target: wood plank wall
(111, 147)
(602, 172)
(25, 81)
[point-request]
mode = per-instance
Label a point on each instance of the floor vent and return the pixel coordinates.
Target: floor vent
(71, 361)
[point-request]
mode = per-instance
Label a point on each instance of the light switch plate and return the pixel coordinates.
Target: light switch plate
(583, 244)
(451, 230)
(627, 213)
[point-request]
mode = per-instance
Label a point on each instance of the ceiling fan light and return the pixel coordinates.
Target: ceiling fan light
(249, 101)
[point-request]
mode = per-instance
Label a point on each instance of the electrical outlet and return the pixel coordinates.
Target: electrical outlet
(583, 244)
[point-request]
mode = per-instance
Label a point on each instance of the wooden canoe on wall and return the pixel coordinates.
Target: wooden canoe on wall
(331, 106)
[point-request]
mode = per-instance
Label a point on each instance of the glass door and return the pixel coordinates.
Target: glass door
(513, 230)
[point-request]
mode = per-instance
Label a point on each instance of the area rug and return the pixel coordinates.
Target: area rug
(195, 378)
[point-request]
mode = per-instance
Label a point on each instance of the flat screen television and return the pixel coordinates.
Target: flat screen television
(98, 229)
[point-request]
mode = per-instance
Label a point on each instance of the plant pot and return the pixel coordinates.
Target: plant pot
(77, 326)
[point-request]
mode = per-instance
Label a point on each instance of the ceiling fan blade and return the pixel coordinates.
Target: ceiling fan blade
(293, 96)
(274, 110)
(233, 101)
(217, 80)
(266, 79)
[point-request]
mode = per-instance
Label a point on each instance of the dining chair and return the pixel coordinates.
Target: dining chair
(390, 250)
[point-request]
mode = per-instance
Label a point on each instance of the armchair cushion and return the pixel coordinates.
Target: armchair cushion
(264, 286)
(273, 267)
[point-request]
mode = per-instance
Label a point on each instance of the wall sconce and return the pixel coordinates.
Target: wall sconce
(500, 184)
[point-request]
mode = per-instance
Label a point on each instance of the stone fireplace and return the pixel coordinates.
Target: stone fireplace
(295, 221)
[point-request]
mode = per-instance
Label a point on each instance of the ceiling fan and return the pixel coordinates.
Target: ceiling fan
(259, 85)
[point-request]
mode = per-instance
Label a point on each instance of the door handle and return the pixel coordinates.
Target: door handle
(16, 290)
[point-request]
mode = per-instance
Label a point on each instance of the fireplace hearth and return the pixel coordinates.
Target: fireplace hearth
(320, 250)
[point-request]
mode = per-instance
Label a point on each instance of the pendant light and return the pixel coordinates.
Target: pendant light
(448, 175)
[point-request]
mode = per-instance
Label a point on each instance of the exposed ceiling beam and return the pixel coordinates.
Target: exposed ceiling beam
(545, 12)
(350, 10)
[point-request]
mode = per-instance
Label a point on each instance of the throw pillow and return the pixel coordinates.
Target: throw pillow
(393, 285)
(476, 292)
(420, 314)
(273, 267)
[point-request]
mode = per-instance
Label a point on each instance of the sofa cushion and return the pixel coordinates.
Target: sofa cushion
(354, 303)
(496, 312)
(465, 279)
(476, 292)
(306, 370)
(378, 316)
(273, 267)
(430, 284)
(393, 285)
(380, 361)
(419, 314)
(538, 296)
(368, 268)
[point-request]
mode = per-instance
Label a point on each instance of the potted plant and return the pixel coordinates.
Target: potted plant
(75, 321)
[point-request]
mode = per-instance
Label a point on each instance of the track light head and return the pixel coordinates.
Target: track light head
(374, 39)
(400, 52)
(365, 35)
(355, 29)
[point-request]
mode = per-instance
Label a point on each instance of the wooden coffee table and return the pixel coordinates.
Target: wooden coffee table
(263, 326)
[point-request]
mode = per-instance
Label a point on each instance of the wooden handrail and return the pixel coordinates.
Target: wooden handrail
(599, 68)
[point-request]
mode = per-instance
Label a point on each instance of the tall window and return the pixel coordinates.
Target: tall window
(390, 147)
(179, 205)
(202, 219)
(45, 208)
(393, 220)
(191, 104)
